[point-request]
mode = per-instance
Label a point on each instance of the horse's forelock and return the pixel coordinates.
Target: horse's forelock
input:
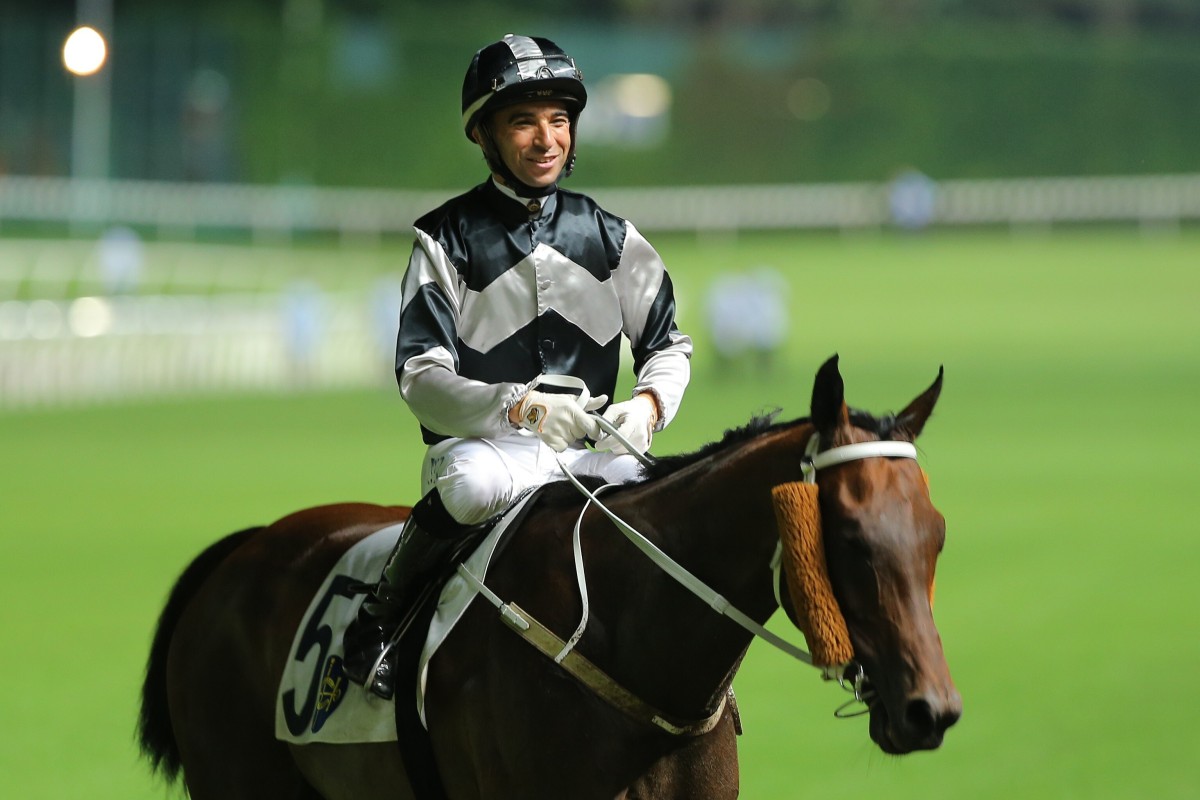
(886, 427)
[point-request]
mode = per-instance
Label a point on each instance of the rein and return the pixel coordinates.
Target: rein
(812, 462)
(563, 652)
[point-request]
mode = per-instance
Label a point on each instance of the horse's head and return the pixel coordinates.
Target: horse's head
(882, 536)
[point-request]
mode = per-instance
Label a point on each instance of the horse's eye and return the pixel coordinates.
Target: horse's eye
(853, 552)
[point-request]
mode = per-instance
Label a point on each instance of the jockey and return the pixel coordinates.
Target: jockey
(509, 285)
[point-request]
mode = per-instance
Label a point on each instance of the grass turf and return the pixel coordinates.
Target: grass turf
(1062, 455)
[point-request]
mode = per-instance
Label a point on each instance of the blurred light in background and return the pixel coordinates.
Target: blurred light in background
(629, 110)
(642, 95)
(89, 316)
(84, 51)
(84, 55)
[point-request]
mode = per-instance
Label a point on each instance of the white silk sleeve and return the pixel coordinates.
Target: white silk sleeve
(648, 308)
(451, 405)
(666, 375)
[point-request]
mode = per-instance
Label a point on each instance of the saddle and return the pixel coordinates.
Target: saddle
(316, 704)
(416, 748)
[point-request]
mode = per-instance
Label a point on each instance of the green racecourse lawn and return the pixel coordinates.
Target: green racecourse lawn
(1063, 455)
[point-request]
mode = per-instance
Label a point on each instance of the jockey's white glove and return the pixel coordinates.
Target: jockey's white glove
(558, 419)
(635, 419)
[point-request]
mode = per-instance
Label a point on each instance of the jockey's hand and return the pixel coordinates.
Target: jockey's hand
(635, 419)
(558, 418)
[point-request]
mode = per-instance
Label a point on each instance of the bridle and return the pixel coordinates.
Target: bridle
(814, 460)
(563, 653)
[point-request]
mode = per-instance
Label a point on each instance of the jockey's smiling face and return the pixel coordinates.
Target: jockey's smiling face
(534, 139)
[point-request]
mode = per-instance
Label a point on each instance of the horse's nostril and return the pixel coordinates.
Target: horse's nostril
(929, 722)
(919, 717)
(925, 721)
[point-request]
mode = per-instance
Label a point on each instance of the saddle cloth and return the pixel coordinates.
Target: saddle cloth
(315, 701)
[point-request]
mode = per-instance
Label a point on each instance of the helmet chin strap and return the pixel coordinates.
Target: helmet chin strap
(491, 155)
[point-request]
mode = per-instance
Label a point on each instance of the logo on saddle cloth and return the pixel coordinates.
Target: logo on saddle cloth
(330, 693)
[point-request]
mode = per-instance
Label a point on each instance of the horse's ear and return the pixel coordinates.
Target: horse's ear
(829, 398)
(913, 418)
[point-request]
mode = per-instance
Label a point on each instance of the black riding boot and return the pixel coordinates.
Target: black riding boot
(417, 555)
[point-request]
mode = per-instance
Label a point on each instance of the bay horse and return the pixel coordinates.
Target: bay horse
(507, 722)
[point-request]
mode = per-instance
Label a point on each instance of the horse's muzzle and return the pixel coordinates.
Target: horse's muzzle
(921, 725)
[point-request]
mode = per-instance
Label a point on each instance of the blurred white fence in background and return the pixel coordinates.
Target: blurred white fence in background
(95, 349)
(158, 318)
(78, 325)
(274, 212)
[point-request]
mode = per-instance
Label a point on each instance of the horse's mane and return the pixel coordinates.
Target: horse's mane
(885, 427)
(758, 425)
(562, 493)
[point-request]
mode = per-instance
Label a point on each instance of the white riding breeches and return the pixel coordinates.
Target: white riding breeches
(479, 478)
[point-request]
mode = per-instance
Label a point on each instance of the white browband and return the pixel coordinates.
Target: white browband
(814, 461)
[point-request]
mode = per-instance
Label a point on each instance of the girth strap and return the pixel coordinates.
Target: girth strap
(587, 673)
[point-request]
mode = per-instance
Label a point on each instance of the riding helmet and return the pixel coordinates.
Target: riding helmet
(517, 69)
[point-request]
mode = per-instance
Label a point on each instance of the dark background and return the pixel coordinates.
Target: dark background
(366, 93)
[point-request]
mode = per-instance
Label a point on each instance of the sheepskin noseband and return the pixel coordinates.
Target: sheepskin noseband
(816, 610)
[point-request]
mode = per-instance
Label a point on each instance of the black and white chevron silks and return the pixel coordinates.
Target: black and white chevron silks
(500, 293)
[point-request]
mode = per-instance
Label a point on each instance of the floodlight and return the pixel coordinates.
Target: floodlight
(84, 51)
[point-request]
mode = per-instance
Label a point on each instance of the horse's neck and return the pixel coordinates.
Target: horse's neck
(715, 518)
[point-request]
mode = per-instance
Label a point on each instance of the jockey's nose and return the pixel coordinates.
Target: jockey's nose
(542, 135)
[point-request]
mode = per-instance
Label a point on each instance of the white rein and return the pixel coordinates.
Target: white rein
(812, 462)
(563, 652)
